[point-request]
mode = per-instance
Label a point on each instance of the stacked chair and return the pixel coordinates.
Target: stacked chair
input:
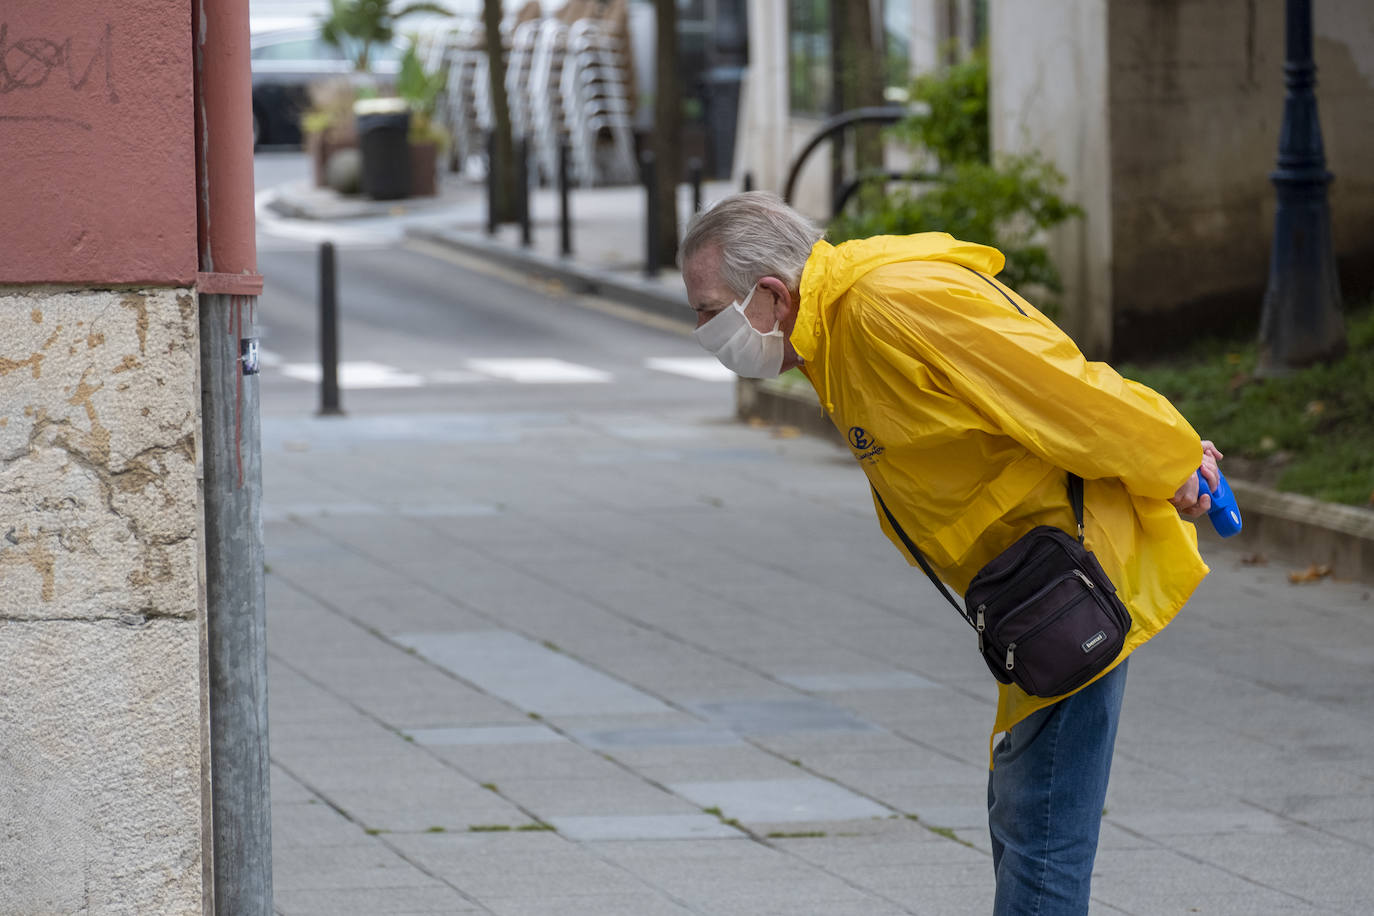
(461, 53)
(564, 84)
(597, 109)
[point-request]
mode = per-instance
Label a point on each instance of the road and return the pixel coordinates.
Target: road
(424, 328)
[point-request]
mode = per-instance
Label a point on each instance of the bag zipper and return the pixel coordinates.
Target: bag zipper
(1023, 572)
(992, 600)
(1063, 609)
(1054, 545)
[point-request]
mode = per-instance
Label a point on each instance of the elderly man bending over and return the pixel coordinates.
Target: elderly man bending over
(966, 407)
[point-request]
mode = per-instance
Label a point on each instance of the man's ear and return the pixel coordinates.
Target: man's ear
(780, 299)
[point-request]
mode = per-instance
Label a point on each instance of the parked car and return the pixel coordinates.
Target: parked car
(287, 60)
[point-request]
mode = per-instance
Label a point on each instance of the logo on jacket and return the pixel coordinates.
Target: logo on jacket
(866, 448)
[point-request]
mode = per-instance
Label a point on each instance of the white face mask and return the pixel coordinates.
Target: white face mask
(741, 347)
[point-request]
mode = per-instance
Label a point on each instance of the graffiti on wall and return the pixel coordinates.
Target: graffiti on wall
(30, 63)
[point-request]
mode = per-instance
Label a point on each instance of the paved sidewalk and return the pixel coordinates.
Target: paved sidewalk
(621, 664)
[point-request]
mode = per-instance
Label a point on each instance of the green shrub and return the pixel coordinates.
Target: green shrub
(955, 126)
(1008, 203)
(421, 91)
(1307, 432)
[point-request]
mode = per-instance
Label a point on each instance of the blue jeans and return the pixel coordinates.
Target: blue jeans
(1045, 796)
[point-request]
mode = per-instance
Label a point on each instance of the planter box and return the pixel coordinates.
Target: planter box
(324, 144)
(424, 169)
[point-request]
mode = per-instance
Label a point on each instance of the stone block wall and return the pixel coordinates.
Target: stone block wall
(102, 744)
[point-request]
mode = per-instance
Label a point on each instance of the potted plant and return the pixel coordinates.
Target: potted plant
(421, 91)
(356, 25)
(328, 125)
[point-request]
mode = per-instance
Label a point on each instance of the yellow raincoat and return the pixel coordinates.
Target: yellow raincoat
(966, 414)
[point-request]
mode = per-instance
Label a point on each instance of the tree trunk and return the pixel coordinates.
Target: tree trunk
(502, 161)
(666, 142)
(858, 71)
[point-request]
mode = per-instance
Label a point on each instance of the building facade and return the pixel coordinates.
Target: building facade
(1164, 118)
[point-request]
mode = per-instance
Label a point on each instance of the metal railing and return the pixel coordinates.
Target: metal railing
(834, 129)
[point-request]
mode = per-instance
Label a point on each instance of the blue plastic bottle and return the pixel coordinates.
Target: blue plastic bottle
(1225, 514)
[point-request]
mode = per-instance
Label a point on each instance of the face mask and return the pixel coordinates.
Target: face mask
(741, 347)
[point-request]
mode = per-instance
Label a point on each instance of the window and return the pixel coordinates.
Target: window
(298, 49)
(811, 89)
(896, 50)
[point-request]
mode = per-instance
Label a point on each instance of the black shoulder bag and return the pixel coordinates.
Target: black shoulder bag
(1047, 616)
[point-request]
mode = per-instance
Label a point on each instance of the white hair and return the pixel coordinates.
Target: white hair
(758, 236)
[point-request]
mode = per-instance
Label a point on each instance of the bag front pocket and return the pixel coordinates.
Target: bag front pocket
(1057, 639)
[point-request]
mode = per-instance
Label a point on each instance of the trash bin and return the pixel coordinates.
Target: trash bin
(383, 139)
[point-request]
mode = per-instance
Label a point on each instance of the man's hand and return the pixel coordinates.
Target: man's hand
(1189, 500)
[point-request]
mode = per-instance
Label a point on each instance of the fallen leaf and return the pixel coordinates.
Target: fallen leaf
(1254, 559)
(1312, 573)
(786, 432)
(757, 422)
(1315, 408)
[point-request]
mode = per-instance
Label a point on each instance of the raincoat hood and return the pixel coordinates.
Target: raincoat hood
(832, 269)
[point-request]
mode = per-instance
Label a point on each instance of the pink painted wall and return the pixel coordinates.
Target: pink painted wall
(97, 153)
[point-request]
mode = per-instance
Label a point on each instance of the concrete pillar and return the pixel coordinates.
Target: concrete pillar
(1055, 102)
(762, 145)
(103, 776)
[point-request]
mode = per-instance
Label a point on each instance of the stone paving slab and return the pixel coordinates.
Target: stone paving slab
(644, 827)
(430, 900)
(553, 904)
(528, 675)
(779, 801)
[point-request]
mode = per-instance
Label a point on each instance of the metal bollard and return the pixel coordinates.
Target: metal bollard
(564, 211)
(491, 183)
(329, 334)
(522, 179)
(651, 246)
(694, 176)
(748, 181)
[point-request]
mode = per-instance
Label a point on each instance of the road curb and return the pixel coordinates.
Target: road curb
(1300, 530)
(627, 289)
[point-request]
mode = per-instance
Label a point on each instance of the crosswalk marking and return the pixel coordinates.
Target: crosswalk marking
(456, 377)
(705, 368)
(355, 374)
(538, 371)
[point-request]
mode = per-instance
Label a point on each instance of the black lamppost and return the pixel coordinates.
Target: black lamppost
(1301, 322)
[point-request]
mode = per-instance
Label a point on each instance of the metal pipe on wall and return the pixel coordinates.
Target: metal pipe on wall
(235, 588)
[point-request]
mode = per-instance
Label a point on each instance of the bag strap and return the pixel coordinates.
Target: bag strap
(920, 557)
(1075, 500)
